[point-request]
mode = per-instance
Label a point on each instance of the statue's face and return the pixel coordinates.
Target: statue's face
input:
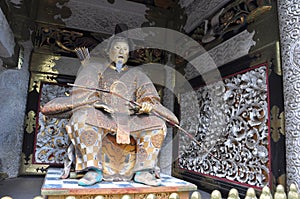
(119, 52)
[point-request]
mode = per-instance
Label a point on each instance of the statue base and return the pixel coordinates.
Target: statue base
(56, 188)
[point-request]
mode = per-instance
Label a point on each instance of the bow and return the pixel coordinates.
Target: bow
(154, 111)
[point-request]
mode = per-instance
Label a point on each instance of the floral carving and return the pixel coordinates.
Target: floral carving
(232, 125)
(51, 138)
(64, 41)
(229, 21)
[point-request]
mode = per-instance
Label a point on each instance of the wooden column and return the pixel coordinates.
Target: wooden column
(289, 25)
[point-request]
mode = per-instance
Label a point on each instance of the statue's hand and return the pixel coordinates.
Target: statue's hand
(105, 107)
(146, 108)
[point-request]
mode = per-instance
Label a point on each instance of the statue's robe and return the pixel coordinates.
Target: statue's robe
(88, 125)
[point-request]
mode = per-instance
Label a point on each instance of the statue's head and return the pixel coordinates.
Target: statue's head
(118, 50)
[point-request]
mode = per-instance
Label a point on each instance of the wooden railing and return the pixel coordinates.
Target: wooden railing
(216, 194)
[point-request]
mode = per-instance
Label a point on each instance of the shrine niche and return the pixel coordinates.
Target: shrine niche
(241, 57)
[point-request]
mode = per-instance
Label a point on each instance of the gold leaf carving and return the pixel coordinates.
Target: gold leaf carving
(277, 123)
(30, 123)
(36, 78)
(31, 169)
(110, 196)
(155, 195)
(44, 63)
(83, 197)
(281, 179)
(257, 12)
(277, 68)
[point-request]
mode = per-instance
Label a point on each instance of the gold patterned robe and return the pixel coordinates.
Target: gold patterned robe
(89, 125)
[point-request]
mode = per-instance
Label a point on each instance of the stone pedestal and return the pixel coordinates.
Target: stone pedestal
(56, 188)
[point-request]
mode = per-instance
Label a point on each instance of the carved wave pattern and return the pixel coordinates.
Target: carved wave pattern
(229, 50)
(97, 16)
(231, 124)
(51, 138)
(199, 10)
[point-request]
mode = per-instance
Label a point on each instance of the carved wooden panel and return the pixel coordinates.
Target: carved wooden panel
(228, 21)
(232, 125)
(241, 128)
(44, 141)
(238, 122)
(51, 139)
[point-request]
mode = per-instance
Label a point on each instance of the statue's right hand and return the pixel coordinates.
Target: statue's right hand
(145, 108)
(105, 107)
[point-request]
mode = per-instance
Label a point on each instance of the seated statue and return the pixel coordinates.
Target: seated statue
(113, 138)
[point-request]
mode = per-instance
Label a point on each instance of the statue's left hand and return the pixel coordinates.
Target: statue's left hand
(105, 107)
(146, 108)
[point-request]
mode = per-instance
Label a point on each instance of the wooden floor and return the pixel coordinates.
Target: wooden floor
(21, 187)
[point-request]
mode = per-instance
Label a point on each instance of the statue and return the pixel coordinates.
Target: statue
(98, 118)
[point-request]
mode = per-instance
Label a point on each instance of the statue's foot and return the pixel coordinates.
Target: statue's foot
(146, 178)
(91, 177)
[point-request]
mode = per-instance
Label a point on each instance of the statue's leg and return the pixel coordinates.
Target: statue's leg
(69, 159)
(148, 146)
(87, 141)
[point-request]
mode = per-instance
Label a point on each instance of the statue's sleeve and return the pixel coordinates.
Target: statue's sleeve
(63, 106)
(146, 92)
